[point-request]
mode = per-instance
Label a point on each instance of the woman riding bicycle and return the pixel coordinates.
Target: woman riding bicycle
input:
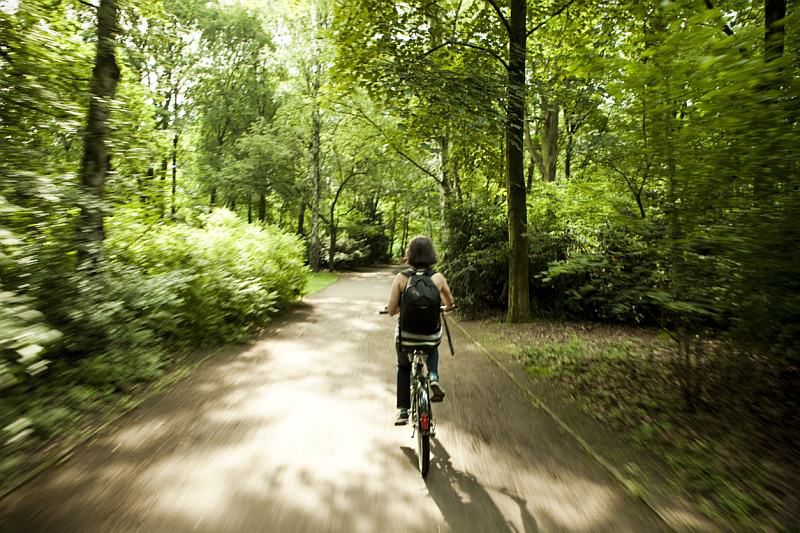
(420, 256)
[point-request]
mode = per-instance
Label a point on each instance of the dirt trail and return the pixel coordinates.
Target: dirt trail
(295, 434)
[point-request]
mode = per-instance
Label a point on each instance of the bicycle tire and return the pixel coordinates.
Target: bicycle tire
(424, 452)
(423, 433)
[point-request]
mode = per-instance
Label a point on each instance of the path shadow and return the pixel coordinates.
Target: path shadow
(465, 504)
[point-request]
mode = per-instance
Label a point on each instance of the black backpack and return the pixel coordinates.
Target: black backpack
(420, 304)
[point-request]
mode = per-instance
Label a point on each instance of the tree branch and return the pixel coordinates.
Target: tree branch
(552, 16)
(391, 144)
(500, 15)
(727, 29)
(467, 45)
(89, 4)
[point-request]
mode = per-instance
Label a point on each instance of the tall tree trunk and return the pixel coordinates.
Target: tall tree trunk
(96, 160)
(457, 180)
(262, 207)
(518, 290)
(404, 240)
(249, 209)
(436, 33)
(445, 187)
(549, 139)
(332, 243)
(568, 127)
(147, 188)
(393, 232)
(162, 186)
(174, 174)
(301, 218)
(212, 200)
(534, 155)
(774, 36)
(316, 185)
(774, 31)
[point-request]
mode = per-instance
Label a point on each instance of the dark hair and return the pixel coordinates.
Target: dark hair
(420, 252)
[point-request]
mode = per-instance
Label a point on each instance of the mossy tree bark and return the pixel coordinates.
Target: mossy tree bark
(96, 160)
(518, 289)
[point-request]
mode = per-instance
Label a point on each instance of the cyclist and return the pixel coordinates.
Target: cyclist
(420, 256)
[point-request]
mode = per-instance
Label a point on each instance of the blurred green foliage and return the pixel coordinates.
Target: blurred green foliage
(163, 287)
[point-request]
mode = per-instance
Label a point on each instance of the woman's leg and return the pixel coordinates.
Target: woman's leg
(433, 369)
(433, 363)
(403, 379)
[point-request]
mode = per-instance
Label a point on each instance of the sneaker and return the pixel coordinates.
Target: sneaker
(437, 390)
(402, 417)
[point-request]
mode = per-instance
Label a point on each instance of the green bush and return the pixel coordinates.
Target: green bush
(208, 284)
(162, 286)
(363, 242)
(475, 259)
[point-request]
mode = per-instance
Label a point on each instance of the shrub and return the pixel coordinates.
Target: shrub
(475, 259)
(205, 284)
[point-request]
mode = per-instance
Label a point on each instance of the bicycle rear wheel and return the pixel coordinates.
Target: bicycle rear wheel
(424, 452)
(423, 430)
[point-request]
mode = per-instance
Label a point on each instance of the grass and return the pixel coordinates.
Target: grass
(728, 453)
(320, 280)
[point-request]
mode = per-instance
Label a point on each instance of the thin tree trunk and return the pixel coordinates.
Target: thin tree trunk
(147, 187)
(568, 127)
(404, 241)
(774, 30)
(162, 186)
(262, 207)
(774, 37)
(174, 174)
(393, 233)
(533, 160)
(445, 187)
(332, 243)
(518, 290)
(549, 140)
(316, 185)
(249, 210)
(301, 218)
(96, 161)
(457, 180)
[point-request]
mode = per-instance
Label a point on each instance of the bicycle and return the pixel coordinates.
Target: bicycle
(421, 415)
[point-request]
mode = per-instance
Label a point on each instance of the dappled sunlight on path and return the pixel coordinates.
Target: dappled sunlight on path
(294, 433)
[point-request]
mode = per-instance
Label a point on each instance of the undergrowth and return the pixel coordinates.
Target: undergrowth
(165, 289)
(733, 454)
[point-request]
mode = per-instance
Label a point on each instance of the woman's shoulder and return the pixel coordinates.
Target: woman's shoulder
(438, 278)
(400, 279)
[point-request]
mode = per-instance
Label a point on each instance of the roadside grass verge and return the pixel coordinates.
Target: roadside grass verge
(736, 454)
(320, 280)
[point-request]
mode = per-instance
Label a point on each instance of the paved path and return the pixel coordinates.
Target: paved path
(295, 434)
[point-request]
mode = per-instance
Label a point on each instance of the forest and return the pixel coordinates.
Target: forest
(174, 172)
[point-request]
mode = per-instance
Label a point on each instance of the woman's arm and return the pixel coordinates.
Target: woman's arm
(444, 291)
(394, 295)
